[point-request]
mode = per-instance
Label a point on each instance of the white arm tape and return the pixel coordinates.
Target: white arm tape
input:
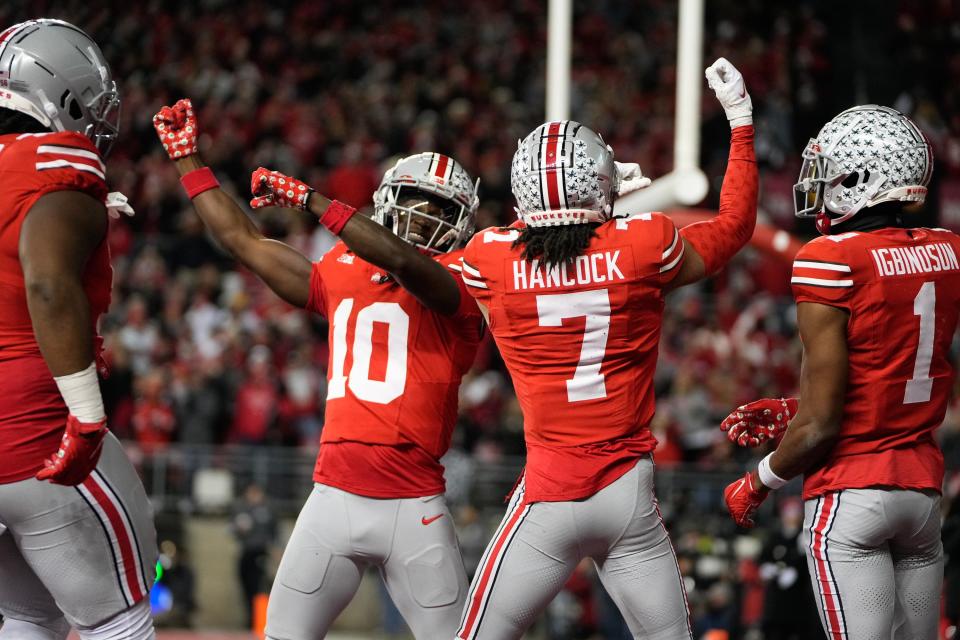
(767, 476)
(81, 393)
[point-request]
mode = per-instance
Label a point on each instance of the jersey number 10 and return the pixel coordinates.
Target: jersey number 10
(378, 391)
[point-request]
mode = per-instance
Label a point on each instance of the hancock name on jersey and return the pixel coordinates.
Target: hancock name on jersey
(925, 258)
(592, 268)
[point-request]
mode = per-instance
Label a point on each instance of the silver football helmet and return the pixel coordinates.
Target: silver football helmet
(55, 73)
(440, 179)
(563, 173)
(864, 156)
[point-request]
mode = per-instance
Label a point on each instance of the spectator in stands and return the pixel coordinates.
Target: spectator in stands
(255, 527)
(257, 402)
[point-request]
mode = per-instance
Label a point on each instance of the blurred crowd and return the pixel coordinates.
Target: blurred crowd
(332, 92)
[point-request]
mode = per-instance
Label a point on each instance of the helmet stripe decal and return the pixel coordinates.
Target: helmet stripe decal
(442, 163)
(443, 166)
(8, 35)
(552, 150)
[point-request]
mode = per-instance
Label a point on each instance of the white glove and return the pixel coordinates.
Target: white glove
(116, 204)
(727, 83)
(630, 178)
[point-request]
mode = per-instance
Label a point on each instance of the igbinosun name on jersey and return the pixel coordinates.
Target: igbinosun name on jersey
(592, 268)
(925, 258)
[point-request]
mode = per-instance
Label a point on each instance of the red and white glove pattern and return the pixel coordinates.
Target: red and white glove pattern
(274, 189)
(177, 128)
(78, 454)
(754, 423)
(743, 499)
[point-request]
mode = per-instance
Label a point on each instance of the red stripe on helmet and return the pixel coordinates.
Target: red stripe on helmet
(552, 175)
(442, 162)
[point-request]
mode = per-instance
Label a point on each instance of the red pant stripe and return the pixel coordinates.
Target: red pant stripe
(830, 599)
(484, 581)
(120, 536)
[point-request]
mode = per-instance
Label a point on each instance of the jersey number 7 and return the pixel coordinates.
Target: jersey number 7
(587, 382)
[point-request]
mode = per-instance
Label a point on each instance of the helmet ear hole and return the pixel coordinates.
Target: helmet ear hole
(74, 109)
(852, 180)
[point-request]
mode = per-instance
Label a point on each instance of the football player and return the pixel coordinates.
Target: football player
(574, 300)
(876, 310)
(401, 336)
(77, 543)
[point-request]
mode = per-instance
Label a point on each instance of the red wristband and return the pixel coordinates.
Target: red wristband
(198, 181)
(336, 216)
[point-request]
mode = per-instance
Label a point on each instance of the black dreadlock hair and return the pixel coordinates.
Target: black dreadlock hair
(15, 122)
(555, 245)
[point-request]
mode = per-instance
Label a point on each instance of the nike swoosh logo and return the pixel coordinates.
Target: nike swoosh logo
(426, 521)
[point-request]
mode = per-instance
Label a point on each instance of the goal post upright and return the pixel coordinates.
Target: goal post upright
(559, 34)
(686, 184)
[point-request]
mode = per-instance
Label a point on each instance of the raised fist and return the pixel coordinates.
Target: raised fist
(274, 189)
(630, 178)
(754, 423)
(177, 128)
(727, 83)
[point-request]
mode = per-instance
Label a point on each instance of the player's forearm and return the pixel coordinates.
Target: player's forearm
(807, 441)
(220, 213)
(426, 279)
(717, 240)
(60, 314)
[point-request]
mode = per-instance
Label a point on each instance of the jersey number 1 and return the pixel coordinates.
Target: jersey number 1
(920, 386)
(379, 391)
(587, 382)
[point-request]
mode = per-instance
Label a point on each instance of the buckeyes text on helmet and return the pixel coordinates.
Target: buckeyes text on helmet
(440, 178)
(864, 156)
(56, 74)
(563, 173)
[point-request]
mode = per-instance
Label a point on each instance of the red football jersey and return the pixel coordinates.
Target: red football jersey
(32, 414)
(581, 343)
(902, 289)
(392, 380)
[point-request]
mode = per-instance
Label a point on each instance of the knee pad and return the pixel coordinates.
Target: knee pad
(12, 629)
(134, 623)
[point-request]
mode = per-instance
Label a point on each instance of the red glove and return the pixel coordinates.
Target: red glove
(78, 454)
(754, 423)
(274, 189)
(743, 499)
(177, 128)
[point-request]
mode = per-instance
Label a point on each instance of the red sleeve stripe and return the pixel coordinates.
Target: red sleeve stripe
(58, 150)
(825, 266)
(61, 164)
(678, 257)
(820, 282)
(673, 245)
(471, 270)
(456, 267)
(473, 283)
